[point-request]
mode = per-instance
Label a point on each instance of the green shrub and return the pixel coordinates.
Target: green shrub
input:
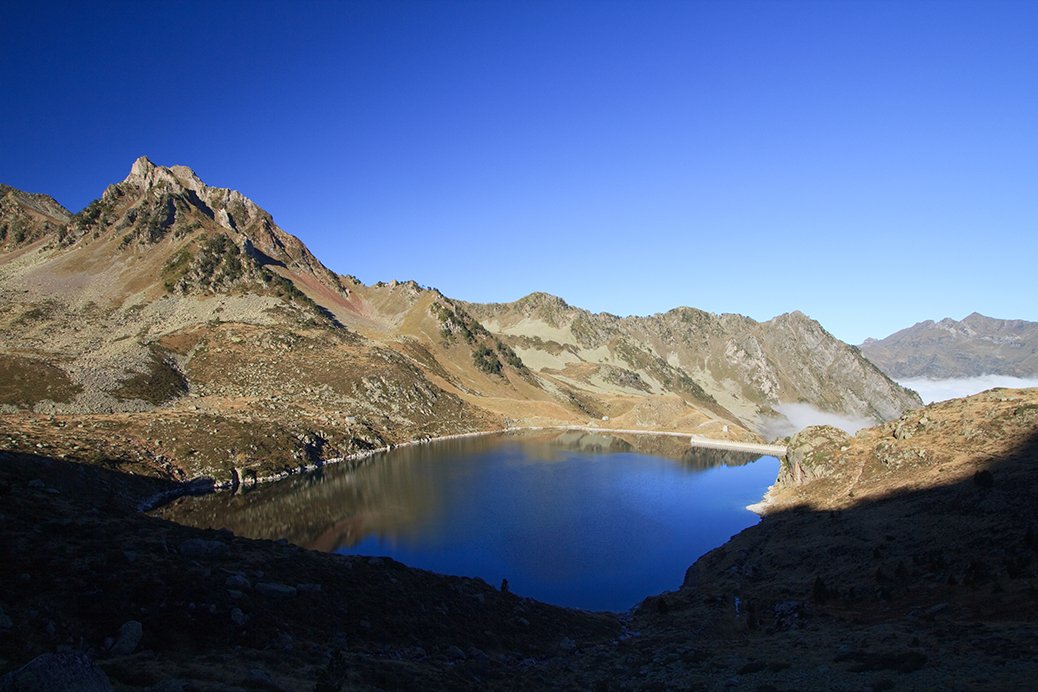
(486, 360)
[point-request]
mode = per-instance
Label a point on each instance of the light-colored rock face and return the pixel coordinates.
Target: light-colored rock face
(730, 361)
(807, 453)
(230, 208)
(973, 347)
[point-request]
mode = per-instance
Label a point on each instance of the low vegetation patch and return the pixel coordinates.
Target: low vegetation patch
(456, 322)
(160, 384)
(486, 360)
(25, 382)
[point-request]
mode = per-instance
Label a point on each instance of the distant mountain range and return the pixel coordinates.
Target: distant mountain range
(976, 346)
(181, 316)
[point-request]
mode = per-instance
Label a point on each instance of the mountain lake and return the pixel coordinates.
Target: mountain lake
(583, 520)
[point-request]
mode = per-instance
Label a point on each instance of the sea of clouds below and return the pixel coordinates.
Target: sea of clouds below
(801, 416)
(942, 390)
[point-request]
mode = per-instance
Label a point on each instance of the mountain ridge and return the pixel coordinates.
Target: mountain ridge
(971, 347)
(695, 353)
(169, 300)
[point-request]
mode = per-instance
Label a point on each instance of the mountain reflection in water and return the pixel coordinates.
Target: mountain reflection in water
(545, 510)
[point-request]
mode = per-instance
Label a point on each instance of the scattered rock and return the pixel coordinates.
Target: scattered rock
(196, 547)
(238, 617)
(68, 672)
(276, 591)
(127, 639)
(261, 677)
(809, 454)
(936, 609)
(236, 581)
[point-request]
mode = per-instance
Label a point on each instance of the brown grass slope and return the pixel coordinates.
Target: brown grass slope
(182, 316)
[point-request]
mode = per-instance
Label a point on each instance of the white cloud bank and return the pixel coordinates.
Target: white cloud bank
(942, 390)
(801, 416)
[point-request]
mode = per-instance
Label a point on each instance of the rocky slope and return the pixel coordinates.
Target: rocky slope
(171, 331)
(975, 346)
(181, 323)
(902, 558)
(729, 365)
(26, 217)
(182, 328)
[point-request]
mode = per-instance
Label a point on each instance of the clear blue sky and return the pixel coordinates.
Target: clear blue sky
(871, 164)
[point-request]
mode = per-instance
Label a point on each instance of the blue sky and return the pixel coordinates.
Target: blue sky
(871, 164)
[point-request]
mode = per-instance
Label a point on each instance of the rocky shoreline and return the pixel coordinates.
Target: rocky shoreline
(204, 484)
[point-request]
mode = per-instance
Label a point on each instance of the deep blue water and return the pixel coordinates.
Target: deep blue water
(564, 525)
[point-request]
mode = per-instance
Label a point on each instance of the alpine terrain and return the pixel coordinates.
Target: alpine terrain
(975, 346)
(170, 337)
(188, 332)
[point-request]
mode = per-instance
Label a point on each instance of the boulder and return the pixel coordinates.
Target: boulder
(69, 672)
(808, 454)
(278, 592)
(128, 638)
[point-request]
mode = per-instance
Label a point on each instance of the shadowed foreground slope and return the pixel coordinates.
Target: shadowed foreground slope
(922, 579)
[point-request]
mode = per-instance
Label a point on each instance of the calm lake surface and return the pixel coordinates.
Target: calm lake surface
(575, 519)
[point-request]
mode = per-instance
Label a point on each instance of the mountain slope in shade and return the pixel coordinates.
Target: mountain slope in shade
(975, 346)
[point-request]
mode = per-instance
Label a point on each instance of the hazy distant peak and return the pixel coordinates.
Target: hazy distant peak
(975, 346)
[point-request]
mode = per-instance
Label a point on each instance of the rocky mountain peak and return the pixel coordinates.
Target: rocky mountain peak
(974, 346)
(230, 208)
(145, 175)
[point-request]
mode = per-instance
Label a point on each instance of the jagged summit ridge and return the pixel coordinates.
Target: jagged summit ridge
(145, 176)
(729, 364)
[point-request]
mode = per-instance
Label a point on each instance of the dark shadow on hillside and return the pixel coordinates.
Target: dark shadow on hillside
(78, 564)
(93, 483)
(263, 259)
(949, 556)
